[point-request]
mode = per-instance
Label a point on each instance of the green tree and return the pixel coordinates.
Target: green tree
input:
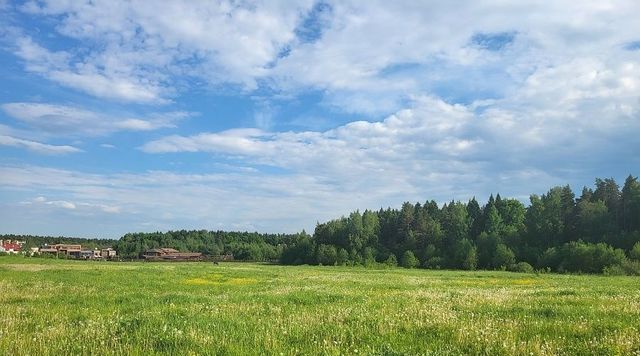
(503, 257)
(494, 223)
(465, 256)
(486, 248)
(391, 260)
(593, 220)
(608, 191)
(327, 255)
(432, 257)
(455, 224)
(409, 260)
(634, 254)
(475, 218)
(631, 204)
(342, 257)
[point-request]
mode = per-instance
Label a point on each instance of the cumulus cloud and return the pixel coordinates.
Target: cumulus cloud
(564, 120)
(139, 45)
(454, 101)
(366, 57)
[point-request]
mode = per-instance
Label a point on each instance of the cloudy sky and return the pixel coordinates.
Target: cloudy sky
(273, 115)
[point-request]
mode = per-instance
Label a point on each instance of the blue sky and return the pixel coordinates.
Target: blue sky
(273, 115)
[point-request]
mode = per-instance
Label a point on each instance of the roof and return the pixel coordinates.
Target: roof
(11, 246)
(163, 250)
(185, 254)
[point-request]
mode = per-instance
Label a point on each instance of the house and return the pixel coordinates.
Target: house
(70, 250)
(11, 246)
(170, 254)
(90, 254)
(108, 253)
(47, 250)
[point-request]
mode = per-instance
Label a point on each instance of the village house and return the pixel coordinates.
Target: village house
(90, 254)
(70, 250)
(108, 253)
(170, 254)
(76, 251)
(11, 246)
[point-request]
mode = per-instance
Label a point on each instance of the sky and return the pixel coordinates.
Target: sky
(271, 116)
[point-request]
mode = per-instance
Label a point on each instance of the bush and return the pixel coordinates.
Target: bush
(409, 260)
(626, 268)
(503, 257)
(634, 254)
(631, 268)
(584, 257)
(343, 257)
(391, 261)
(521, 267)
(616, 270)
(327, 255)
(434, 263)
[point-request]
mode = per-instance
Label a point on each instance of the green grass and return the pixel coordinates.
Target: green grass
(57, 307)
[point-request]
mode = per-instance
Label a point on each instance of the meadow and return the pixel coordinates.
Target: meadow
(60, 307)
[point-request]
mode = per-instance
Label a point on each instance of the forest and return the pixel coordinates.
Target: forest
(596, 232)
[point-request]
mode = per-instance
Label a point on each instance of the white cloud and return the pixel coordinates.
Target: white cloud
(61, 204)
(550, 124)
(367, 57)
(558, 103)
(140, 44)
(83, 207)
(87, 75)
(72, 121)
(37, 146)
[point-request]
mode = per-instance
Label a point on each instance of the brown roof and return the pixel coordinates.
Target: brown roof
(185, 254)
(164, 250)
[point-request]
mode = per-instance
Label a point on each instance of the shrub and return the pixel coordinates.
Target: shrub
(626, 268)
(409, 260)
(578, 256)
(327, 255)
(634, 254)
(434, 262)
(631, 268)
(343, 257)
(521, 267)
(391, 261)
(616, 270)
(503, 257)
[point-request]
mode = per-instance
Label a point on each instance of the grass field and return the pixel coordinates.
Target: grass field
(57, 307)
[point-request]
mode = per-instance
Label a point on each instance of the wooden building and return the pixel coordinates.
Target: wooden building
(170, 254)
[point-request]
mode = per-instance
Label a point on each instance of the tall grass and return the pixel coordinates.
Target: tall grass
(55, 307)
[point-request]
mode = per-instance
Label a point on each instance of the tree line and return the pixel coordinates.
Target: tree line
(246, 246)
(599, 231)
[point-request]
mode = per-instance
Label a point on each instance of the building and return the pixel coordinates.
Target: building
(90, 254)
(170, 254)
(70, 250)
(74, 250)
(11, 246)
(108, 253)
